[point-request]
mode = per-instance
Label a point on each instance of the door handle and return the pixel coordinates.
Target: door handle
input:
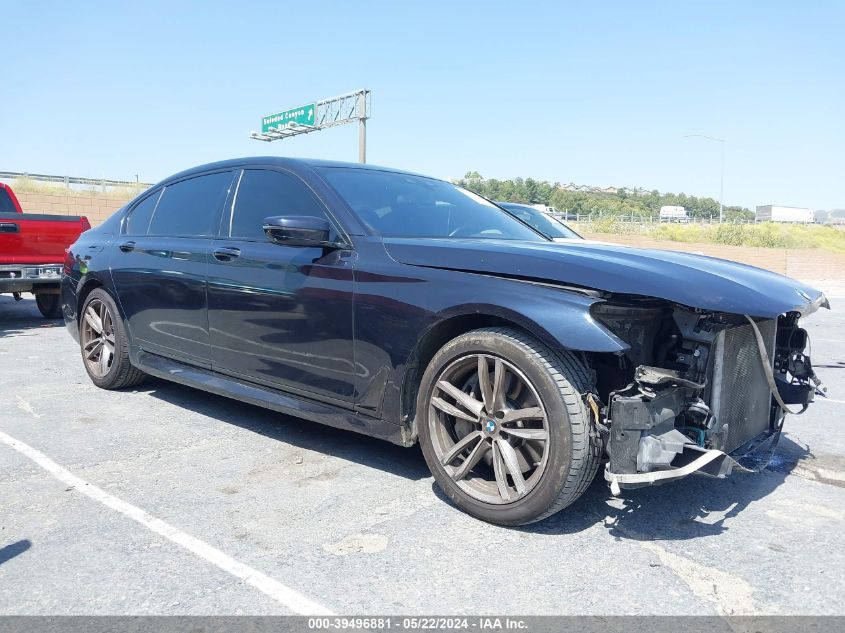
(226, 254)
(127, 247)
(9, 227)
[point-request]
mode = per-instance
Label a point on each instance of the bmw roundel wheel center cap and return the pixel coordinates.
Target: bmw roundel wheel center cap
(489, 425)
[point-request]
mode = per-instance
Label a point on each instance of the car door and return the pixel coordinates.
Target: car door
(280, 315)
(160, 266)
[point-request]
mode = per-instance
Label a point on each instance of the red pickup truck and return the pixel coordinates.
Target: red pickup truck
(32, 251)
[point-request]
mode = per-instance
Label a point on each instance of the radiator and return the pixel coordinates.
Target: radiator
(739, 393)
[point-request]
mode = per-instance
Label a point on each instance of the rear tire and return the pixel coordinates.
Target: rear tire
(50, 306)
(104, 344)
(541, 428)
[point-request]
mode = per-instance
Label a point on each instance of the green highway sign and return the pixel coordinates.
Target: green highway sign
(346, 108)
(303, 115)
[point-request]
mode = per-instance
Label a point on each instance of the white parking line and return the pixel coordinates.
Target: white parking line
(829, 400)
(286, 596)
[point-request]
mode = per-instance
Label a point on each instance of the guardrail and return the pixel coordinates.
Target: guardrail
(67, 181)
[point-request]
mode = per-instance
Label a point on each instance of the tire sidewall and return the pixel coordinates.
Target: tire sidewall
(49, 305)
(559, 462)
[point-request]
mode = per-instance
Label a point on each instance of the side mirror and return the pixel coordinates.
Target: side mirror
(297, 230)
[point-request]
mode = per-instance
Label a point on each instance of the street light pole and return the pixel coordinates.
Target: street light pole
(722, 182)
(721, 142)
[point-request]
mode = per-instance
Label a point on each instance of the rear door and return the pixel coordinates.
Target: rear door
(280, 315)
(160, 266)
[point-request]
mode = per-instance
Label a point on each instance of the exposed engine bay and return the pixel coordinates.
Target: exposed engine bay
(697, 391)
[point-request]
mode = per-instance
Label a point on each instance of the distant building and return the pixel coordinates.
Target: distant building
(777, 213)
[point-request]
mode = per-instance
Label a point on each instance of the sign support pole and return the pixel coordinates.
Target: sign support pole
(362, 129)
(362, 141)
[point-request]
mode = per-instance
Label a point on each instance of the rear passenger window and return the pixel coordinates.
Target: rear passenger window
(139, 218)
(6, 205)
(189, 208)
(262, 194)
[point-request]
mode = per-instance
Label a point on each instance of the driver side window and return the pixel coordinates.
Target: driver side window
(264, 193)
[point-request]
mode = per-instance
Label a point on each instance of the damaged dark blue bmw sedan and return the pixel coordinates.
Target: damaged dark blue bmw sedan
(410, 309)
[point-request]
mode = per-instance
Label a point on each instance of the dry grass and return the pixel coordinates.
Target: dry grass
(766, 235)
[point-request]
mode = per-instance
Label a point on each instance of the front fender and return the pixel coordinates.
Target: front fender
(558, 317)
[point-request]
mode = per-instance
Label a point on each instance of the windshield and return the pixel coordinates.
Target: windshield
(549, 227)
(402, 205)
(560, 224)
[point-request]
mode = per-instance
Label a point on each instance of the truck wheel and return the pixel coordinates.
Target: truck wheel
(105, 347)
(504, 427)
(50, 306)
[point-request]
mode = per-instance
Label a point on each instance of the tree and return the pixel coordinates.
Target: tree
(626, 201)
(532, 191)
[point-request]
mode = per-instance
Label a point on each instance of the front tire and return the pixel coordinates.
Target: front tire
(504, 427)
(104, 344)
(50, 306)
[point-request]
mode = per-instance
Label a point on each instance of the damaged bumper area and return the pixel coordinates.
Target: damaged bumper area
(647, 447)
(712, 402)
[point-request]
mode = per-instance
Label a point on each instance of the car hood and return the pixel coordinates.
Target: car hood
(696, 281)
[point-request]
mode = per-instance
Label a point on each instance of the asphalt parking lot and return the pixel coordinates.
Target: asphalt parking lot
(167, 500)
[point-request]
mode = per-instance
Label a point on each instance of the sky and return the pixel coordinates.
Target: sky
(595, 93)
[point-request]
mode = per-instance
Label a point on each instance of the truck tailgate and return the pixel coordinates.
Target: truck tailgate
(30, 238)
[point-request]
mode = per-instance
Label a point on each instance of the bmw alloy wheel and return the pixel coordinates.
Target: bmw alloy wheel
(489, 428)
(98, 338)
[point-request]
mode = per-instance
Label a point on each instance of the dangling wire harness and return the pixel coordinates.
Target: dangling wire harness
(770, 377)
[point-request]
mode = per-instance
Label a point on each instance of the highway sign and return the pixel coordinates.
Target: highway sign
(303, 115)
(319, 115)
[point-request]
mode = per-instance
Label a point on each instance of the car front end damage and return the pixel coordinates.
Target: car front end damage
(697, 391)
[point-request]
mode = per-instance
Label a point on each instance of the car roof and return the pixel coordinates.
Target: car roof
(282, 161)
